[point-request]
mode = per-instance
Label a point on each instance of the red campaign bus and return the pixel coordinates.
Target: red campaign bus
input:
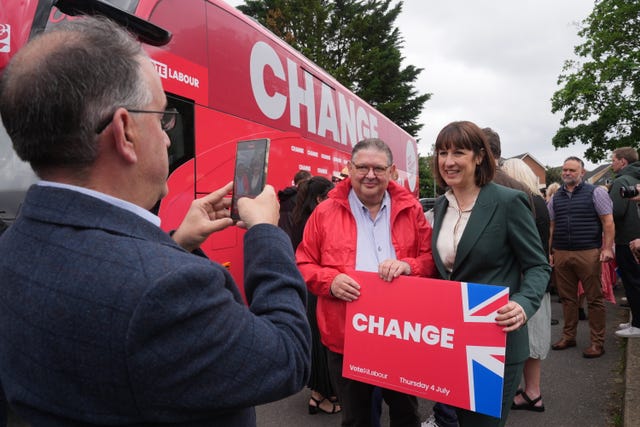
(231, 80)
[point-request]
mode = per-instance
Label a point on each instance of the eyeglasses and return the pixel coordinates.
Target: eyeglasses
(167, 121)
(363, 170)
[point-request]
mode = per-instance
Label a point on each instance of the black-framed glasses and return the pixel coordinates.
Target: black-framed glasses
(363, 170)
(167, 121)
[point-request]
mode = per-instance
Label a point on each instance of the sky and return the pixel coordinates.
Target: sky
(495, 63)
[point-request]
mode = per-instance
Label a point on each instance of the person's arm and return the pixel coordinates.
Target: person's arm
(310, 253)
(636, 198)
(608, 233)
(418, 263)
(634, 245)
(194, 347)
(552, 227)
(619, 203)
(422, 264)
(527, 247)
(604, 207)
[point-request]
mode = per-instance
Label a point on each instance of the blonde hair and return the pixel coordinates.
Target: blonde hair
(520, 171)
(551, 189)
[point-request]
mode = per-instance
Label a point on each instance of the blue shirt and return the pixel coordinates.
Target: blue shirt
(374, 235)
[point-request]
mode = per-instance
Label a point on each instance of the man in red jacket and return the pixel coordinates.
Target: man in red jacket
(368, 223)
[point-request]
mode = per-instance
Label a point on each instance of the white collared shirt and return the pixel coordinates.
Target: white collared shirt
(145, 214)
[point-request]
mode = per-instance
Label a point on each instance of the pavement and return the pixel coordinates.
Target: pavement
(632, 384)
(603, 392)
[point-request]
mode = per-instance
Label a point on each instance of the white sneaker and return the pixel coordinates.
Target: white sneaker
(430, 422)
(631, 332)
(624, 326)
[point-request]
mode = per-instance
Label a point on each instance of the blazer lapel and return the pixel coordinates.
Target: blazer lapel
(481, 215)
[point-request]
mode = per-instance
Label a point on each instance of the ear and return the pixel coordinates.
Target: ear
(123, 131)
(393, 172)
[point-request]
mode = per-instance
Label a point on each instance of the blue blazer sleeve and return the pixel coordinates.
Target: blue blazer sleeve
(228, 355)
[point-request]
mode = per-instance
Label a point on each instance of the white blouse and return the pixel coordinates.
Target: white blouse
(453, 225)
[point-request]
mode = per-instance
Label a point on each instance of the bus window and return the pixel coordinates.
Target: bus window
(128, 5)
(182, 135)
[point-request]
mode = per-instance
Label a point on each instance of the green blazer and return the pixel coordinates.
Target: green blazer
(500, 246)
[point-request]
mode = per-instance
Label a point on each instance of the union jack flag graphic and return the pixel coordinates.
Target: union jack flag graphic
(485, 364)
(435, 339)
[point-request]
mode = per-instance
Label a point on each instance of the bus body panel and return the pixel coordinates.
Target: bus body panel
(16, 20)
(232, 80)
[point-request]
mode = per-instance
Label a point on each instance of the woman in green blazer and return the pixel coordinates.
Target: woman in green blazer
(485, 233)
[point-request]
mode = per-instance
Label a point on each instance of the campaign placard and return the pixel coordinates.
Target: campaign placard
(435, 339)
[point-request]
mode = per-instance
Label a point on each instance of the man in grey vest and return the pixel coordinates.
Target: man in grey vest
(582, 233)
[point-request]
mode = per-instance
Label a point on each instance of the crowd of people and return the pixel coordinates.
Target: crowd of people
(114, 321)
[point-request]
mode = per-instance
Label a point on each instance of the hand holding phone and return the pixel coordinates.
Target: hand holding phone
(263, 209)
(250, 171)
(205, 216)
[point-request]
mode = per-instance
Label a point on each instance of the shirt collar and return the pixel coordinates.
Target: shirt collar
(145, 214)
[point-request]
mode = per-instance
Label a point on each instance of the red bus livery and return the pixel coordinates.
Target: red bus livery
(231, 80)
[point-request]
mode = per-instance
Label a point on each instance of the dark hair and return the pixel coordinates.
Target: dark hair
(628, 153)
(62, 84)
(469, 136)
(376, 144)
(301, 175)
(494, 142)
(575, 159)
(307, 197)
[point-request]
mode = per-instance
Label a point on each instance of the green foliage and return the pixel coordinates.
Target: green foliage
(426, 177)
(553, 175)
(356, 42)
(601, 93)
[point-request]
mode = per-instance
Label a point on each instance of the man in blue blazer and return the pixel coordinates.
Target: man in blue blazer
(104, 318)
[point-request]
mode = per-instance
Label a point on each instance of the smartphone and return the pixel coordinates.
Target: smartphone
(250, 173)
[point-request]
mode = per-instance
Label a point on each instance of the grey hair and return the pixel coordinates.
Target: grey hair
(63, 84)
(376, 144)
(519, 170)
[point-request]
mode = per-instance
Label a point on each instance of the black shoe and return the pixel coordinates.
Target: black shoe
(529, 404)
(554, 321)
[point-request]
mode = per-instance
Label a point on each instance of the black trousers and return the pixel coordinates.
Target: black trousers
(355, 399)
(630, 275)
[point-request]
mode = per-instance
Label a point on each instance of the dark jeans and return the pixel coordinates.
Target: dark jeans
(445, 415)
(356, 400)
(630, 275)
(376, 407)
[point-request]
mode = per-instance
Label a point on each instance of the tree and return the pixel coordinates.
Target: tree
(356, 42)
(553, 175)
(600, 97)
(426, 177)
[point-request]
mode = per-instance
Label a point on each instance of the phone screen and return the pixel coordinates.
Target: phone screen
(250, 172)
